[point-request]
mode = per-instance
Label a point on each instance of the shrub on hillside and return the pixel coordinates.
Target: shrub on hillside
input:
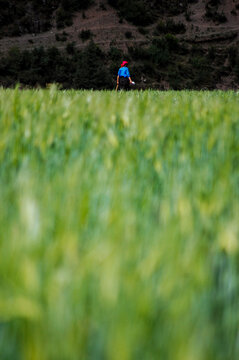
(237, 69)
(26, 24)
(115, 54)
(172, 42)
(175, 7)
(74, 5)
(91, 73)
(170, 27)
(115, 57)
(213, 2)
(233, 55)
(198, 62)
(144, 12)
(139, 53)
(160, 53)
(201, 70)
(139, 12)
(70, 48)
(61, 37)
(142, 30)
(63, 18)
(211, 53)
(14, 30)
(85, 35)
(128, 35)
(216, 16)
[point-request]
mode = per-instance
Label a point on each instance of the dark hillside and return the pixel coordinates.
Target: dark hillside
(35, 16)
(170, 44)
(24, 16)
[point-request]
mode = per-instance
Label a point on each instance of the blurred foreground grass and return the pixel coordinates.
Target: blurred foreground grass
(119, 225)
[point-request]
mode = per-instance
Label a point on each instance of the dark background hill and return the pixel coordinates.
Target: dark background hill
(80, 44)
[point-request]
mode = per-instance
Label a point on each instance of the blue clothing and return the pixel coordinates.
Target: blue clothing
(124, 72)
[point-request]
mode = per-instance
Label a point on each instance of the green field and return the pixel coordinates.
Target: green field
(119, 235)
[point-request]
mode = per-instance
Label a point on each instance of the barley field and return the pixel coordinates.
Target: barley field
(119, 227)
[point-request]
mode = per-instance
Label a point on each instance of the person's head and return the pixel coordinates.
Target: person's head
(124, 63)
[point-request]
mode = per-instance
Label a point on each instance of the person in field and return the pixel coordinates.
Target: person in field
(123, 78)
